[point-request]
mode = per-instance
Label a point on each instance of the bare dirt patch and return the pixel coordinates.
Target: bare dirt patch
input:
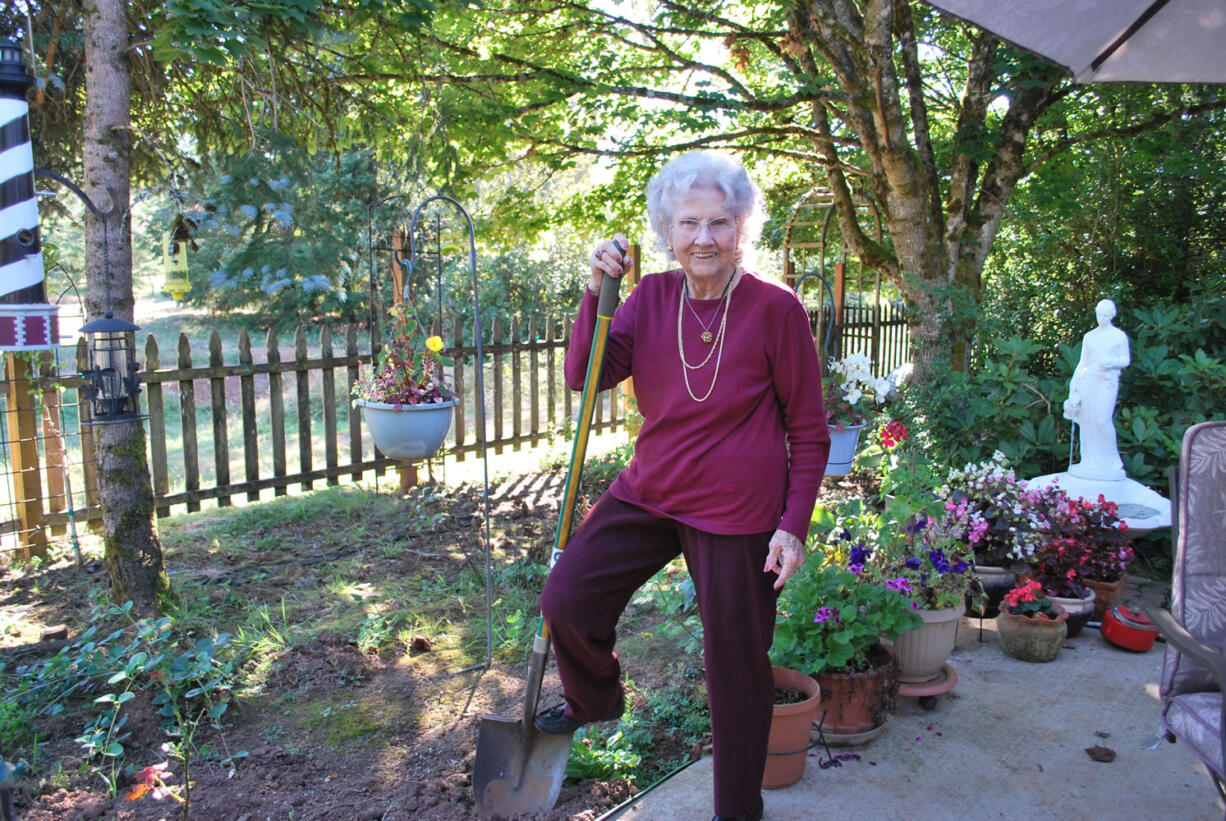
(366, 608)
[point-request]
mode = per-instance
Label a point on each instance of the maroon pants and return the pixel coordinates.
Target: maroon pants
(617, 549)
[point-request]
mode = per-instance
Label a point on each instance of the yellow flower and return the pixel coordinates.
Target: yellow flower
(434, 343)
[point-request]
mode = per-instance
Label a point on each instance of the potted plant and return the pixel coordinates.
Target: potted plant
(1088, 550)
(404, 398)
(921, 559)
(830, 624)
(907, 479)
(1001, 520)
(850, 393)
(1030, 626)
(797, 697)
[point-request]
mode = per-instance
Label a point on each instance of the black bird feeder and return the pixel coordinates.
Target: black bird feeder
(111, 382)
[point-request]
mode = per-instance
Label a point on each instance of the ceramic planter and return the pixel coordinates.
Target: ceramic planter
(843, 445)
(1079, 611)
(407, 431)
(1032, 638)
(1107, 595)
(921, 651)
(788, 745)
(855, 705)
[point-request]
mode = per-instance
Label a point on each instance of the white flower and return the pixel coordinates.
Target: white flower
(853, 395)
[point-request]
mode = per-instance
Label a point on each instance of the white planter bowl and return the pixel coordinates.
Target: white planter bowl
(407, 431)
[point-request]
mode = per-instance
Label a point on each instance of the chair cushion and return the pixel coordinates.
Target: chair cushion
(1198, 590)
(1196, 719)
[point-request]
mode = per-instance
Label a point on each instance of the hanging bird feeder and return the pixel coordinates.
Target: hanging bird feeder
(174, 266)
(111, 381)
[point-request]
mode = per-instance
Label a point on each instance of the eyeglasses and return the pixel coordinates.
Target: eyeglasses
(716, 226)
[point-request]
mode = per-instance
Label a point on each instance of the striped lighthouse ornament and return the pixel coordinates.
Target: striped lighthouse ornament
(27, 322)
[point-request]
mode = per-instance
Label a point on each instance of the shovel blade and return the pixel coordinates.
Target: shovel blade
(518, 770)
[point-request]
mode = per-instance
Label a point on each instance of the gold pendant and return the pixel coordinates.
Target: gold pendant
(707, 337)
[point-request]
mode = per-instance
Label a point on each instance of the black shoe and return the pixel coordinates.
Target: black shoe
(555, 721)
(756, 815)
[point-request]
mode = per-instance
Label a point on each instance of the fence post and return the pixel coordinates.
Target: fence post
(221, 438)
(302, 386)
(251, 433)
(462, 393)
(551, 371)
(517, 385)
(157, 426)
(23, 441)
(329, 387)
(496, 349)
(276, 409)
(355, 416)
(187, 421)
(534, 381)
(54, 452)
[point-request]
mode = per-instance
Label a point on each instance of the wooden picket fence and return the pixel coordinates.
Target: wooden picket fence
(219, 429)
(270, 420)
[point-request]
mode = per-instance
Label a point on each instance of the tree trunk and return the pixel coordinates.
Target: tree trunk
(133, 551)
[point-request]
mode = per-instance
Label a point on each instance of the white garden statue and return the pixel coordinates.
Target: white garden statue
(1093, 391)
(1092, 394)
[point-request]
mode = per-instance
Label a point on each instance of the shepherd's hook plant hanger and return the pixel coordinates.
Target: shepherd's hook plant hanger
(479, 383)
(830, 324)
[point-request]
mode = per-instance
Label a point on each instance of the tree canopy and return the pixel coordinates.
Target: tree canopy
(909, 120)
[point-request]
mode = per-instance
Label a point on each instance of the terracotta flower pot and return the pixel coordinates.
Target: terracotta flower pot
(1106, 595)
(856, 704)
(1032, 638)
(1079, 611)
(921, 651)
(788, 745)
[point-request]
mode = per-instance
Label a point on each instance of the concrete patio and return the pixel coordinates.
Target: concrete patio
(1008, 742)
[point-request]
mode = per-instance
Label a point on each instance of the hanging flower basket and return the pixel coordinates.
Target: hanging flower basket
(843, 444)
(407, 431)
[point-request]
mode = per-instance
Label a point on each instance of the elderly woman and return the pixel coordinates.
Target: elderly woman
(726, 467)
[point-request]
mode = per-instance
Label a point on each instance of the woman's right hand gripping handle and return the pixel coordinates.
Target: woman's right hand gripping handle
(610, 257)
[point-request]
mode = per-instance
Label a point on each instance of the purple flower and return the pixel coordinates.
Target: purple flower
(939, 561)
(855, 569)
(825, 614)
(913, 562)
(919, 524)
(961, 567)
(915, 605)
(860, 554)
(900, 584)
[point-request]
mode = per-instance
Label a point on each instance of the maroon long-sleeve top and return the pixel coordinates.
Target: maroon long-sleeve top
(751, 457)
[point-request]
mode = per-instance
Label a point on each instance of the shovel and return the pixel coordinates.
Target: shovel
(518, 769)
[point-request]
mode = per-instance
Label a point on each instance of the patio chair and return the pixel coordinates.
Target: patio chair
(1194, 664)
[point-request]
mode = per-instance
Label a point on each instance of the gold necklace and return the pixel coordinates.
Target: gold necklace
(706, 335)
(717, 351)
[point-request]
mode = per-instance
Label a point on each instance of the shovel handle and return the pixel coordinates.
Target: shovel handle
(591, 388)
(605, 307)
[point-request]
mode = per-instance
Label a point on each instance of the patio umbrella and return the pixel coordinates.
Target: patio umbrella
(1111, 41)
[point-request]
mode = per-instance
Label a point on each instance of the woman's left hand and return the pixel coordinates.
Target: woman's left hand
(787, 554)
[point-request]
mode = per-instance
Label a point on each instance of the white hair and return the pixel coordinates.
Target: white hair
(676, 181)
